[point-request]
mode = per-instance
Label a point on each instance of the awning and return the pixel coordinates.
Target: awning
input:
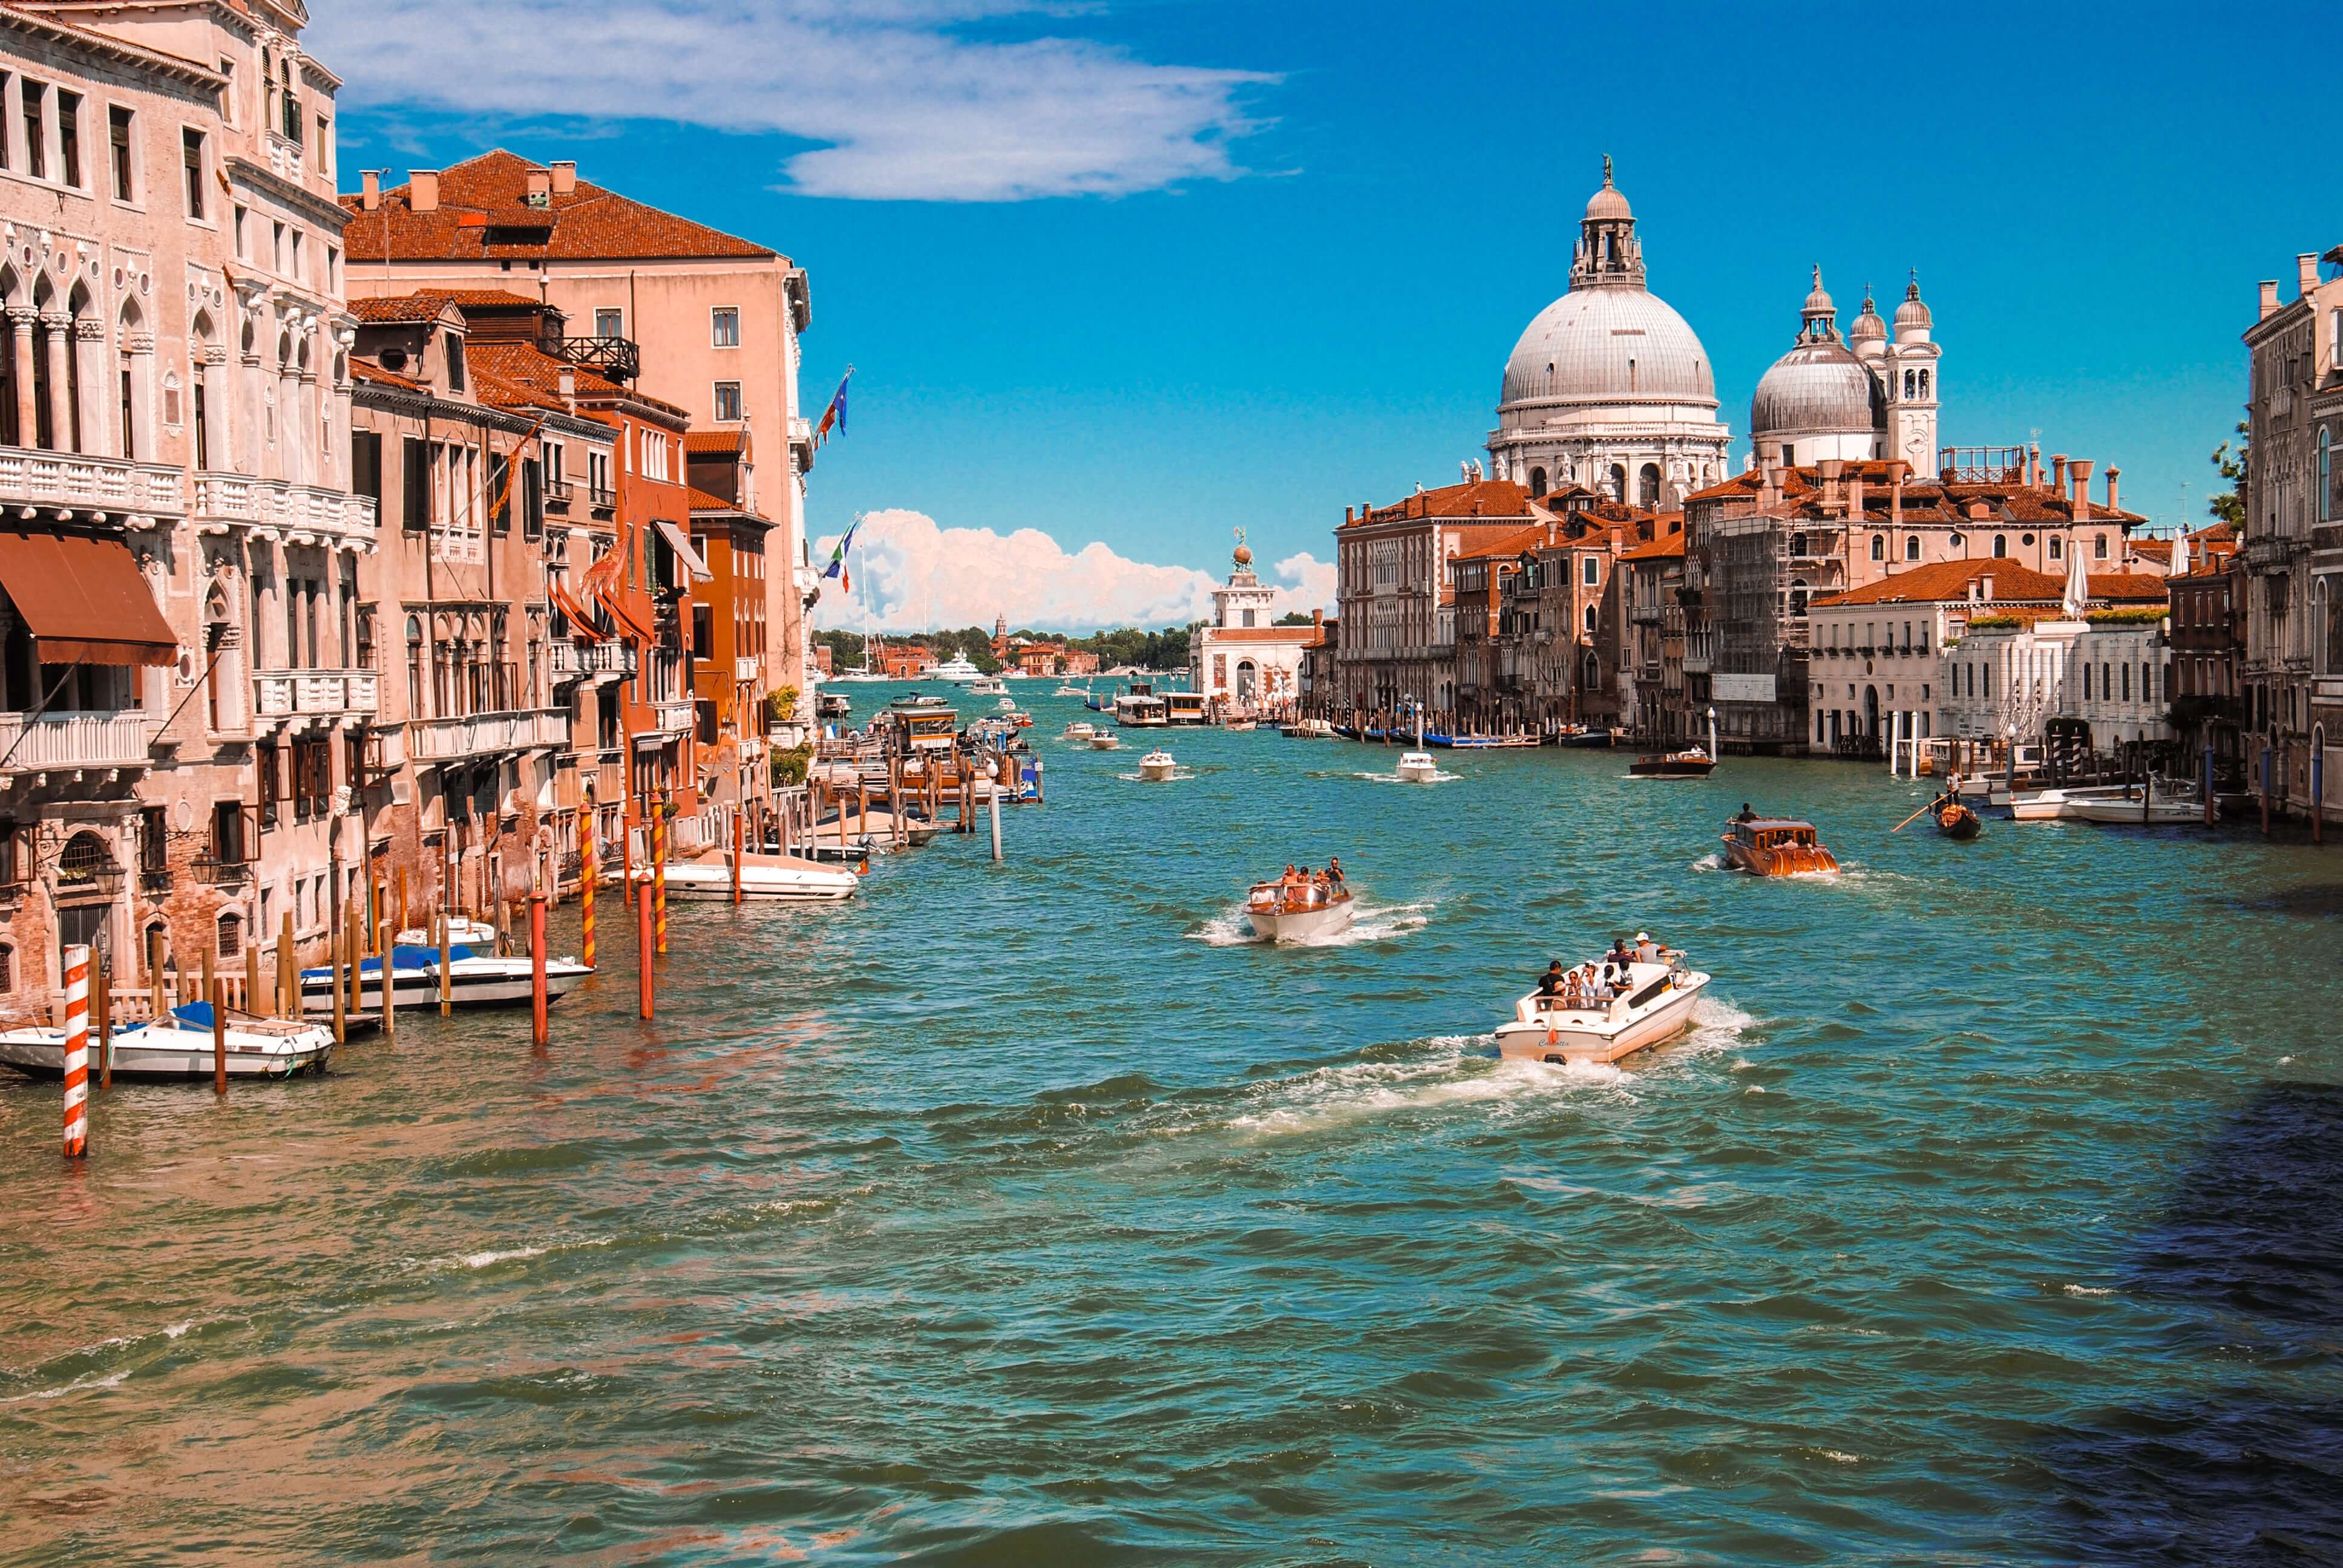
(84, 600)
(680, 543)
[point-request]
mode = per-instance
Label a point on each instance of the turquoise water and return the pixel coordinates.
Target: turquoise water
(1021, 1214)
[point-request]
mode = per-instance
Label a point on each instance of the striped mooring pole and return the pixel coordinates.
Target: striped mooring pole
(587, 875)
(659, 867)
(76, 1052)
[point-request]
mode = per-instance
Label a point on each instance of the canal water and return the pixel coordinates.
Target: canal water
(1023, 1214)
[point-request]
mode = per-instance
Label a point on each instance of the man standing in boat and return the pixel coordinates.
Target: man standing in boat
(1334, 872)
(1550, 983)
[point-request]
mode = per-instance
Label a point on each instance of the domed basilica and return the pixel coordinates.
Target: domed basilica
(1609, 388)
(1862, 398)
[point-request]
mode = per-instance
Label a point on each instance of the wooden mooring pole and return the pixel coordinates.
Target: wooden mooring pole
(389, 983)
(643, 946)
(219, 1027)
(104, 1026)
(540, 1030)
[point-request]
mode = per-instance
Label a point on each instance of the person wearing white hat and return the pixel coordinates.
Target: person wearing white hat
(1647, 952)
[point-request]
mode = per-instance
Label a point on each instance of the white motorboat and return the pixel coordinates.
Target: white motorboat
(1070, 689)
(474, 980)
(958, 671)
(1418, 768)
(1654, 1003)
(1302, 914)
(180, 1046)
(2054, 805)
(1007, 704)
(1309, 729)
(762, 876)
(1104, 741)
(462, 930)
(1077, 730)
(2117, 810)
(1156, 766)
(988, 686)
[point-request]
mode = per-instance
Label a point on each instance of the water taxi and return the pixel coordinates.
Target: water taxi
(1241, 722)
(1585, 735)
(180, 1046)
(1652, 1001)
(474, 980)
(762, 876)
(1104, 741)
(1692, 763)
(1069, 689)
(1418, 768)
(1776, 847)
(1156, 766)
(1302, 912)
(1184, 707)
(988, 686)
(1079, 730)
(1140, 709)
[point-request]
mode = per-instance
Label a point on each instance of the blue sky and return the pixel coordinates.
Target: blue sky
(1140, 273)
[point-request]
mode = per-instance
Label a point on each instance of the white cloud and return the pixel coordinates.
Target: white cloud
(906, 107)
(910, 574)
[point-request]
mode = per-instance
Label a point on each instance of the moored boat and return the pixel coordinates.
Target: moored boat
(1652, 1001)
(1776, 847)
(2139, 809)
(1308, 729)
(1418, 768)
(1156, 766)
(462, 930)
(1283, 912)
(762, 876)
(1691, 763)
(2056, 804)
(474, 980)
(180, 1046)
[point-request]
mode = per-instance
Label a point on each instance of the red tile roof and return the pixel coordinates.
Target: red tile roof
(715, 443)
(1669, 548)
(367, 370)
(484, 199)
(1942, 581)
(1495, 499)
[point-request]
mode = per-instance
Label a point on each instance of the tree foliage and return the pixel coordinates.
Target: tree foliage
(2230, 506)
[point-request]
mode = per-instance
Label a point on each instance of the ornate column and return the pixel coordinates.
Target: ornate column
(20, 325)
(219, 431)
(89, 351)
(59, 327)
(140, 347)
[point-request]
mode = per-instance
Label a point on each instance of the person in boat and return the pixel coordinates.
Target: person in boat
(1619, 957)
(1554, 983)
(1746, 814)
(1334, 873)
(1647, 952)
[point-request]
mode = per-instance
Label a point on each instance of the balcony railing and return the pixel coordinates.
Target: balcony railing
(69, 740)
(672, 717)
(316, 694)
(327, 517)
(616, 357)
(747, 670)
(486, 734)
(570, 661)
(114, 486)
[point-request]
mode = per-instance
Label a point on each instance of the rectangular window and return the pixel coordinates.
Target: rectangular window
(728, 400)
(415, 482)
(325, 146)
(117, 133)
(268, 777)
(297, 273)
(34, 99)
(228, 91)
(4, 128)
(69, 137)
(609, 323)
(532, 499)
(277, 246)
(191, 153)
(725, 327)
(365, 465)
(228, 838)
(499, 497)
(2126, 683)
(154, 841)
(240, 253)
(203, 429)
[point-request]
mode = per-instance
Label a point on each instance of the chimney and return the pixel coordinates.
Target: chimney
(1348, 516)
(1984, 586)
(1895, 493)
(2306, 274)
(1855, 495)
(539, 185)
(2112, 472)
(563, 175)
(423, 189)
(2269, 298)
(370, 190)
(1318, 618)
(2034, 462)
(1828, 470)
(2081, 469)
(569, 384)
(2058, 472)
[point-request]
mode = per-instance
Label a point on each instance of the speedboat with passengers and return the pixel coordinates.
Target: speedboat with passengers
(1604, 1012)
(473, 979)
(1776, 847)
(1156, 766)
(1690, 763)
(1282, 911)
(1418, 768)
(178, 1046)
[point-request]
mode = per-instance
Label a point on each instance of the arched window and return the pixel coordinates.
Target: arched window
(1797, 595)
(1618, 482)
(2326, 491)
(1798, 545)
(2055, 548)
(1923, 386)
(1650, 490)
(1590, 617)
(1911, 384)
(1591, 674)
(2000, 545)
(414, 667)
(2098, 547)
(1879, 547)
(231, 935)
(1911, 547)
(1537, 481)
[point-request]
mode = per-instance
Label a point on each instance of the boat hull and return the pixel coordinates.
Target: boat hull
(1156, 772)
(797, 883)
(172, 1055)
(1425, 773)
(1670, 768)
(1958, 823)
(472, 982)
(1795, 860)
(1593, 1036)
(1300, 925)
(2121, 813)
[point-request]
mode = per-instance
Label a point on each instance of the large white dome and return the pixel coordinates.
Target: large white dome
(1608, 343)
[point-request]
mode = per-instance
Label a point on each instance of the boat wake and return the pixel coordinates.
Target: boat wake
(1369, 923)
(1439, 776)
(1178, 773)
(1455, 1071)
(1713, 861)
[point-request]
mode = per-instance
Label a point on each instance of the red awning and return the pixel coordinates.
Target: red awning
(84, 600)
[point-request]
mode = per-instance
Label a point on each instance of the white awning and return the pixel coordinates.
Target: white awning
(680, 543)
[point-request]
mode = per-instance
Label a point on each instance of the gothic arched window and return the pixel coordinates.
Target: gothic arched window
(1618, 482)
(1878, 547)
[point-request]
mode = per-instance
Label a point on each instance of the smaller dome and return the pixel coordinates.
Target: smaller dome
(1818, 302)
(1912, 312)
(1867, 327)
(1608, 203)
(1819, 388)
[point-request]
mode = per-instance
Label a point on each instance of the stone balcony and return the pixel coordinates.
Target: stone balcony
(604, 661)
(299, 514)
(747, 670)
(673, 717)
(317, 695)
(487, 734)
(74, 742)
(110, 490)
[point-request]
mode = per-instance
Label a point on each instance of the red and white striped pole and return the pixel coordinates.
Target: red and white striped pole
(76, 1052)
(587, 875)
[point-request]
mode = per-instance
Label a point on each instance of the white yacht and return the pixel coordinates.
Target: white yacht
(2056, 805)
(180, 1046)
(1078, 730)
(958, 671)
(1418, 768)
(1302, 914)
(1156, 766)
(1654, 1002)
(474, 980)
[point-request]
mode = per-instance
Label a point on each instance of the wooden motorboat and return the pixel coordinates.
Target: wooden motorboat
(178, 1046)
(1651, 1002)
(474, 980)
(1955, 821)
(1418, 768)
(1776, 847)
(1585, 735)
(1157, 766)
(1279, 913)
(1693, 763)
(762, 877)
(1240, 723)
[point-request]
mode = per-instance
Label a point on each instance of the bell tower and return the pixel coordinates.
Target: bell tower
(1909, 378)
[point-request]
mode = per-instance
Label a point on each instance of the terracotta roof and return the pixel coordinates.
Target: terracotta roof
(1669, 548)
(1496, 499)
(367, 370)
(1938, 581)
(1537, 535)
(715, 443)
(524, 372)
(484, 199)
(400, 308)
